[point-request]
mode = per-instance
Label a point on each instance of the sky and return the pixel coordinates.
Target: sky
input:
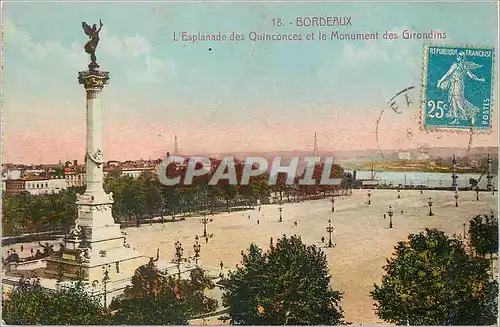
(218, 97)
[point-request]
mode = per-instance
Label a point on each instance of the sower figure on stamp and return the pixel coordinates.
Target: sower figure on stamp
(454, 82)
(91, 45)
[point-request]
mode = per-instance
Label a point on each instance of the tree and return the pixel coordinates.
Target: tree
(158, 299)
(289, 284)
(150, 311)
(483, 234)
(432, 280)
(30, 304)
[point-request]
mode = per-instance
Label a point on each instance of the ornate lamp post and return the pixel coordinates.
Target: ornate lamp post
(333, 204)
(430, 207)
(178, 256)
(329, 230)
(454, 176)
(197, 249)
(456, 199)
(390, 213)
(477, 193)
(105, 281)
(489, 176)
(280, 209)
(369, 197)
(205, 221)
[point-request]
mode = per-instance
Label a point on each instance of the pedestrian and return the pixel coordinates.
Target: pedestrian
(22, 247)
(295, 223)
(221, 265)
(258, 221)
(401, 211)
(322, 239)
(206, 239)
(384, 215)
(248, 216)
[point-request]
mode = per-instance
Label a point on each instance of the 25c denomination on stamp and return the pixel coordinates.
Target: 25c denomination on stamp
(457, 88)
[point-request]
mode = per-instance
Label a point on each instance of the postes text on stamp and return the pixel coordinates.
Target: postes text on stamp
(457, 85)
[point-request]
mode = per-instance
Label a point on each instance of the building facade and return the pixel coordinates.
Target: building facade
(35, 185)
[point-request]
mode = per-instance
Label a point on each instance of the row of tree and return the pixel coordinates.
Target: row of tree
(25, 213)
(431, 279)
(173, 302)
(138, 200)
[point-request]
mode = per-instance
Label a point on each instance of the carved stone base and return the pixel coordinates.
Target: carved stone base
(96, 241)
(121, 264)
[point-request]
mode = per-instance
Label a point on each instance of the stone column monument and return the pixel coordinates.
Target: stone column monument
(96, 241)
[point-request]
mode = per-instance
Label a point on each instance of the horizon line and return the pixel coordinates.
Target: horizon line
(378, 152)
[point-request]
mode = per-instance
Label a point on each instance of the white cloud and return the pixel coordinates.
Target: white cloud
(153, 70)
(137, 45)
(372, 51)
(111, 45)
(123, 48)
(51, 53)
(130, 51)
(136, 52)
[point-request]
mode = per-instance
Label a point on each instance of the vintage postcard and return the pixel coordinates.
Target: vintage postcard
(249, 163)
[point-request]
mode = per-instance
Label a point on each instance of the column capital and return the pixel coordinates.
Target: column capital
(93, 80)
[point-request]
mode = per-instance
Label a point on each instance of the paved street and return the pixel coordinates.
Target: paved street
(363, 237)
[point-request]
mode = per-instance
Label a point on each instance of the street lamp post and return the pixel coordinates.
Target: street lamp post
(430, 207)
(329, 230)
(197, 249)
(456, 199)
(333, 204)
(390, 213)
(369, 197)
(280, 209)
(454, 176)
(205, 221)
(477, 193)
(105, 281)
(178, 256)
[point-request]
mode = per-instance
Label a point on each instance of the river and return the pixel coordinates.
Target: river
(424, 178)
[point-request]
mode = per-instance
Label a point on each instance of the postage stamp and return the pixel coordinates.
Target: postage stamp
(249, 163)
(457, 87)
